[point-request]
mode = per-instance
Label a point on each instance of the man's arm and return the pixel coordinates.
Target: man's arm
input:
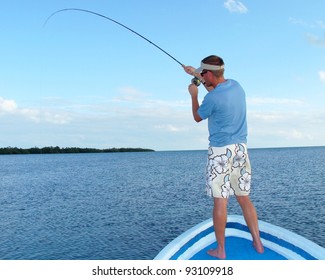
(193, 90)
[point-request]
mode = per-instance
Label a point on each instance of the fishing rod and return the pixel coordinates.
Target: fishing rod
(195, 80)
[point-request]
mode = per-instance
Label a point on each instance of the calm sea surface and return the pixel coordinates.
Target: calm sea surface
(130, 205)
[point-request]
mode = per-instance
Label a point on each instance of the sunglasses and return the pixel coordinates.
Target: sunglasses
(204, 72)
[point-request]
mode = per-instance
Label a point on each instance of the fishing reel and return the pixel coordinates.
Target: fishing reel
(196, 81)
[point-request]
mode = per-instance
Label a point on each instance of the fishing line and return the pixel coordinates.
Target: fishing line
(195, 80)
(105, 17)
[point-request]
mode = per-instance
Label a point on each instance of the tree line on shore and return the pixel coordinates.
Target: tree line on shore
(71, 150)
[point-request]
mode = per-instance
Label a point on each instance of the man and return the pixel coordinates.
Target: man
(228, 169)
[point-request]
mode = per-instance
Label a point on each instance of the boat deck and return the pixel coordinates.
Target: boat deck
(239, 249)
(279, 243)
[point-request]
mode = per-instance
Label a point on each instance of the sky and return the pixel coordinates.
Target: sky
(83, 81)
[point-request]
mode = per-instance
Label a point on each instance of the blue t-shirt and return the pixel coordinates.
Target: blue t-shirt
(225, 109)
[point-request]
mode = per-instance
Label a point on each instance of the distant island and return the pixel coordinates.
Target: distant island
(71, 150)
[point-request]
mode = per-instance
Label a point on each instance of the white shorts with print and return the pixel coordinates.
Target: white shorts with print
(228, 171)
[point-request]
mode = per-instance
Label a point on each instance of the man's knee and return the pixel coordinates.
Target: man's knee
(243, 200)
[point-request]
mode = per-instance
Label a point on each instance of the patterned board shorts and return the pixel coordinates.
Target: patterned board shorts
(228, 171)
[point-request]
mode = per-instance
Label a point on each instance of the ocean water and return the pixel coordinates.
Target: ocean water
(130, 205)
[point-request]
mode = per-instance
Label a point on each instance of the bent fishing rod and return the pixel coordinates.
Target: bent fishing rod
(195, 80)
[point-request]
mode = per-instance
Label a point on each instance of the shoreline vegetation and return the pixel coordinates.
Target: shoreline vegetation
(71, 150)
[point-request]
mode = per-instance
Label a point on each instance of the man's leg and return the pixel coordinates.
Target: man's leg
(250, 216)
(219, 215)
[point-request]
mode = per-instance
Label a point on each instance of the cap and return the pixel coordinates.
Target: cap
(209, 67)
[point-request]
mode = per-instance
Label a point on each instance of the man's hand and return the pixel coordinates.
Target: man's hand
(189, 70)
(193, 90)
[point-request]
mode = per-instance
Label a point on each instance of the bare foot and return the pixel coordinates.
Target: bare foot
(217, 253)
(258, 246)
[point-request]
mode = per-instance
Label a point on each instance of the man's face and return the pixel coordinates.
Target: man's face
(206, 75)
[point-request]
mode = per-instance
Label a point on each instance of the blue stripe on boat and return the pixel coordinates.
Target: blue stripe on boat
(279, 243)
(191, 242)
(274, 239)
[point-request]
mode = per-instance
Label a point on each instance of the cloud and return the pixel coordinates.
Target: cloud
(316, 40)
(130, 94)
(316, 24)
(131, 97)
(173, 127)
(274, 101)
(7, 106)
(235, 6)
(300, 22)
(10, 107)
(133, 118)
(322, 76)
(286, 128)
(321, 24)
